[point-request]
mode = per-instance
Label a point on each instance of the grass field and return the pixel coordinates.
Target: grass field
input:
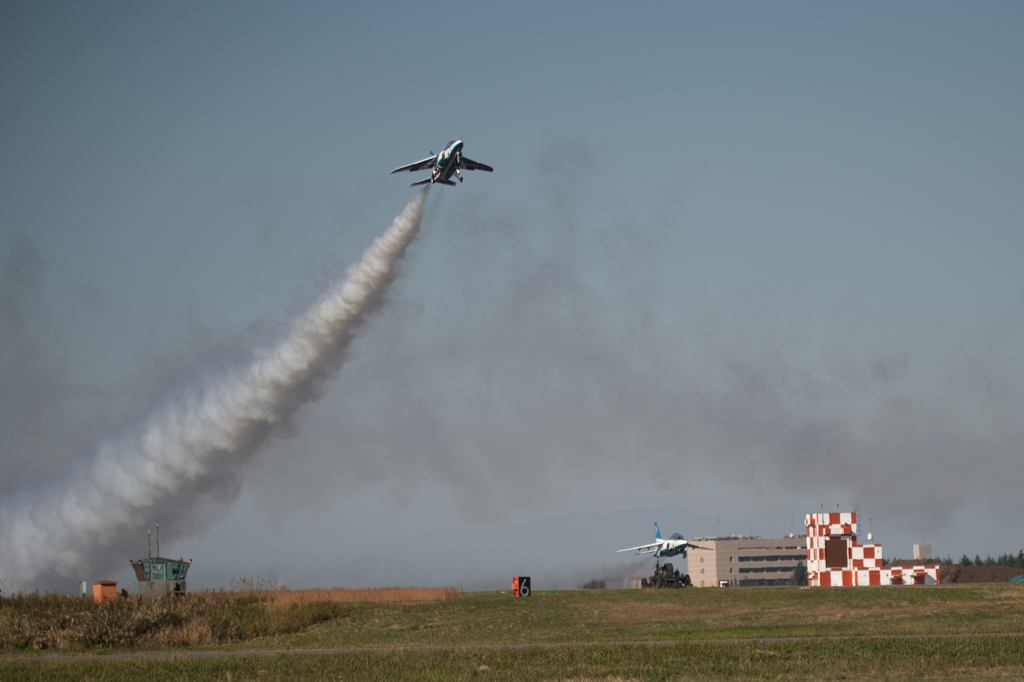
(869, 620)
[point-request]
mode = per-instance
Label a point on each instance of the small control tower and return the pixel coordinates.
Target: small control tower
(158, 576)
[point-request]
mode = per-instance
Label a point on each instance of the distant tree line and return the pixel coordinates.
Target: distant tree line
(594, 584)
(799, 576)
(1015, 560)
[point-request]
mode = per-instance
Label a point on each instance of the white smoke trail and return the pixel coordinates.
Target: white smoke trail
(192, 444)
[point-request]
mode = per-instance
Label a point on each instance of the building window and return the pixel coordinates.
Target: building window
(730, 570)
(835, 553)
(767, 569)
(702, 571)
(702, 559)
(730, 559)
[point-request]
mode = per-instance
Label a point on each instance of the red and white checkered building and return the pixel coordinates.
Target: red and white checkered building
(834, 557)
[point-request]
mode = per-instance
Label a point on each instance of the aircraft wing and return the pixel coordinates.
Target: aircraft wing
(692, 546)
(470, 164)
(419, 165)
(644, 549)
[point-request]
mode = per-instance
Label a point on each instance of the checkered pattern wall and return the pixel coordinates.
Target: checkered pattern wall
(834, 558)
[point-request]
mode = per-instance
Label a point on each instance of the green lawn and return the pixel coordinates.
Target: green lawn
(849, 659)
(632, 615)
(870, 615)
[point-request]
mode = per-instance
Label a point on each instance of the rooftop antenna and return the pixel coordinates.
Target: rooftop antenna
(149, 542)
(158, 538)
(751, 524)
(718, 527)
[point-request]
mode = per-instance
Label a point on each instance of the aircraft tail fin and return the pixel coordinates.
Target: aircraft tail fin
(447, 182)
(421, 182)
(657, 531)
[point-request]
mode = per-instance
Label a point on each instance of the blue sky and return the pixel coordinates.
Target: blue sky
(733, 256)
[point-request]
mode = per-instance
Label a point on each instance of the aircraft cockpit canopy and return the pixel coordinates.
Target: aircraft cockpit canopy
(676, 536)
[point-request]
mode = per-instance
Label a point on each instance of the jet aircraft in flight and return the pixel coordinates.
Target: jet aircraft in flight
(442, 166)
(676, 544)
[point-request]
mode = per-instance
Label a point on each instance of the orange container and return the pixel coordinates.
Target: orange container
(104, 590)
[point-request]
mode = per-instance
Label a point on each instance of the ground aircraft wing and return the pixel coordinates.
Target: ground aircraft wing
(470, 164)
(645, 549)
(419, 165)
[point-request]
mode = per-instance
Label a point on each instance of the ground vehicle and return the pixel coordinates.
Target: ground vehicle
(666, 575)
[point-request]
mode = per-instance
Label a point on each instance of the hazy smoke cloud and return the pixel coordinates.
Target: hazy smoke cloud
(22, 269)
(553, 353)
(192, 445)
(553, 356)
(45, 415)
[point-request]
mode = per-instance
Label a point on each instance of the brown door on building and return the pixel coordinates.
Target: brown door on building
(835, 554)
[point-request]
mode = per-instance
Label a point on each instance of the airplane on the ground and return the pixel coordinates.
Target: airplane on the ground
(676, 544)
(444, 165)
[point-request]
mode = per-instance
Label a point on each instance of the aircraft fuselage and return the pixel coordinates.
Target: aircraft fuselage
(444, 165)
(448, 163)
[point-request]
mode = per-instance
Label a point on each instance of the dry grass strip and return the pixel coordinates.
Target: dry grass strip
(285, 599)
